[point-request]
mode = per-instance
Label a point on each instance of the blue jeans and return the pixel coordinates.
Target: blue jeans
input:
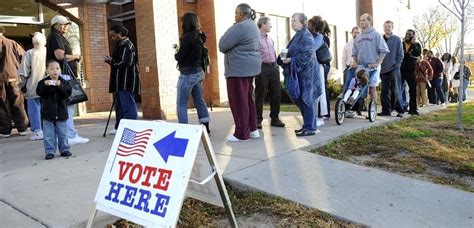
(403, 93)
(54, 134)
(308, 113)
(125, 107)
(349, 74)
(438, 81)
(71, 130)
(464, 89)
(191, 84)
(34, 113)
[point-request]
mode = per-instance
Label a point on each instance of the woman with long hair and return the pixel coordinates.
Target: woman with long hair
(190, 59)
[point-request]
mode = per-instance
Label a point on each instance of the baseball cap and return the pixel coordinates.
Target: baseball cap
(59, 19)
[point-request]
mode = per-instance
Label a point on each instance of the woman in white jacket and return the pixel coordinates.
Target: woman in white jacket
(454, 82)
(31, 71)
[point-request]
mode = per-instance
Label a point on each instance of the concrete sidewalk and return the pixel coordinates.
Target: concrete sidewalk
(60, 192)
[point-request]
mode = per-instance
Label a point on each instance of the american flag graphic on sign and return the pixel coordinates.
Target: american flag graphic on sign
(133, 142)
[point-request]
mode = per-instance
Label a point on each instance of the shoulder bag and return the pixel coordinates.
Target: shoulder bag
(78, 95)
(323, 54)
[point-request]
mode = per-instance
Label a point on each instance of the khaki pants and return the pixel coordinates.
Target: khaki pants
(421, 95)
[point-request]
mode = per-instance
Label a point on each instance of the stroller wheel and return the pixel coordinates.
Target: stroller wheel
(372, 111)
(340, 111)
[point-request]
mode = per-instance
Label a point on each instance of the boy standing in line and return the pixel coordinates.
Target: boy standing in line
(54, 92)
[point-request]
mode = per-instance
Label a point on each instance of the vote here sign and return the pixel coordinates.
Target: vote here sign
(147, 171)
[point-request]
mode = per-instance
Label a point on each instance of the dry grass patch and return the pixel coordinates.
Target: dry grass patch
(428, 147)
(252, 209)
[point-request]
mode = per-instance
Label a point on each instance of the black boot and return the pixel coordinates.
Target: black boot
(206, 124)
(455, 98)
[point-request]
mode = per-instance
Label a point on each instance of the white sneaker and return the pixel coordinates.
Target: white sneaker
(319, 122)
(22, 133)
(443, 104)
(5, 135)
(113, 132)
(77, 140)
(38, 135)
(232, 138)
(254, 134)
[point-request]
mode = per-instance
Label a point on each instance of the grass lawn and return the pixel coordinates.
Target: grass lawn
(262, 209)
(428, 147)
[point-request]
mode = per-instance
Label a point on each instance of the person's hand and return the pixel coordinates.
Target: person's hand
(49, 82)
(413, 40)
(77, 57)
(354, 65)
(108, 59)
(58, 83)
(286, 61)
(374, 65)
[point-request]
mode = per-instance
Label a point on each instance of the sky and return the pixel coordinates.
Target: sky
(421, 6)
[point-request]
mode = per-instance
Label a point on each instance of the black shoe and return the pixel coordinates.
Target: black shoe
(416, 113)
(259, 125)
(383, 114)
(206, 124)
(49, 156)
(65, 154)
(305, 133)
(277, 123)
(299, 130)
(400, 115)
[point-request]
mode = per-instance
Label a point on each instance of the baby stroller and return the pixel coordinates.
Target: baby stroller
(342, 108)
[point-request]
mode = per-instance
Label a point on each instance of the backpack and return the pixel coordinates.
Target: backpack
(467, 73)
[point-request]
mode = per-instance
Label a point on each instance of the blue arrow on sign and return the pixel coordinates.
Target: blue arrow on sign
(171, 146)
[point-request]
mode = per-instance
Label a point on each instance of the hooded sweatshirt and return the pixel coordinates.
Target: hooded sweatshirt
(367, 46)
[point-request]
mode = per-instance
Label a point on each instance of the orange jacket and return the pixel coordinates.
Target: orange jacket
(10, 58)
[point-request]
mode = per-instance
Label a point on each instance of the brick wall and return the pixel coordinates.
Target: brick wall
(147, 57)
(95, 47)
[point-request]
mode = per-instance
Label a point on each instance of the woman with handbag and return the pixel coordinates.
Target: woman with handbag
(301, 59)
(59, 49)
(32, 69)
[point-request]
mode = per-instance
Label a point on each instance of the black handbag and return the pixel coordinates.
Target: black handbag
(323, 54)
(78, 94)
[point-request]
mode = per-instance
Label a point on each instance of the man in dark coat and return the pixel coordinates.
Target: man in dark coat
(124, 75)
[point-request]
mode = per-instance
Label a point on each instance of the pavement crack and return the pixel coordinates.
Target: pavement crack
(24, 213)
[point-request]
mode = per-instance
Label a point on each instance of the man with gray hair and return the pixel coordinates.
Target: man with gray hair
(269, 79)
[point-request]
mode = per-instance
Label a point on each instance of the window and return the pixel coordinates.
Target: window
(333, 48)
(280, 32)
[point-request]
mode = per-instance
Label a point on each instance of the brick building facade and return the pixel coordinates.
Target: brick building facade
(155, 27)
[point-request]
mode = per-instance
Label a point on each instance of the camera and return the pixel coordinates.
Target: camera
(52, 82)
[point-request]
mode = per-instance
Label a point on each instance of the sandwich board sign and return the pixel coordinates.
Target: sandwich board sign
(148, 169)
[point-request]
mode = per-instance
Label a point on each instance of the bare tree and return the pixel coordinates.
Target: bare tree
(461, 9)
(431, 28)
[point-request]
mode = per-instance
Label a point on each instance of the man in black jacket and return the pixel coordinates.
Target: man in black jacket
(412, 50)
(124, 77)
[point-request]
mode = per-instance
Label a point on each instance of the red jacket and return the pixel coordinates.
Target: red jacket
(424, 71)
